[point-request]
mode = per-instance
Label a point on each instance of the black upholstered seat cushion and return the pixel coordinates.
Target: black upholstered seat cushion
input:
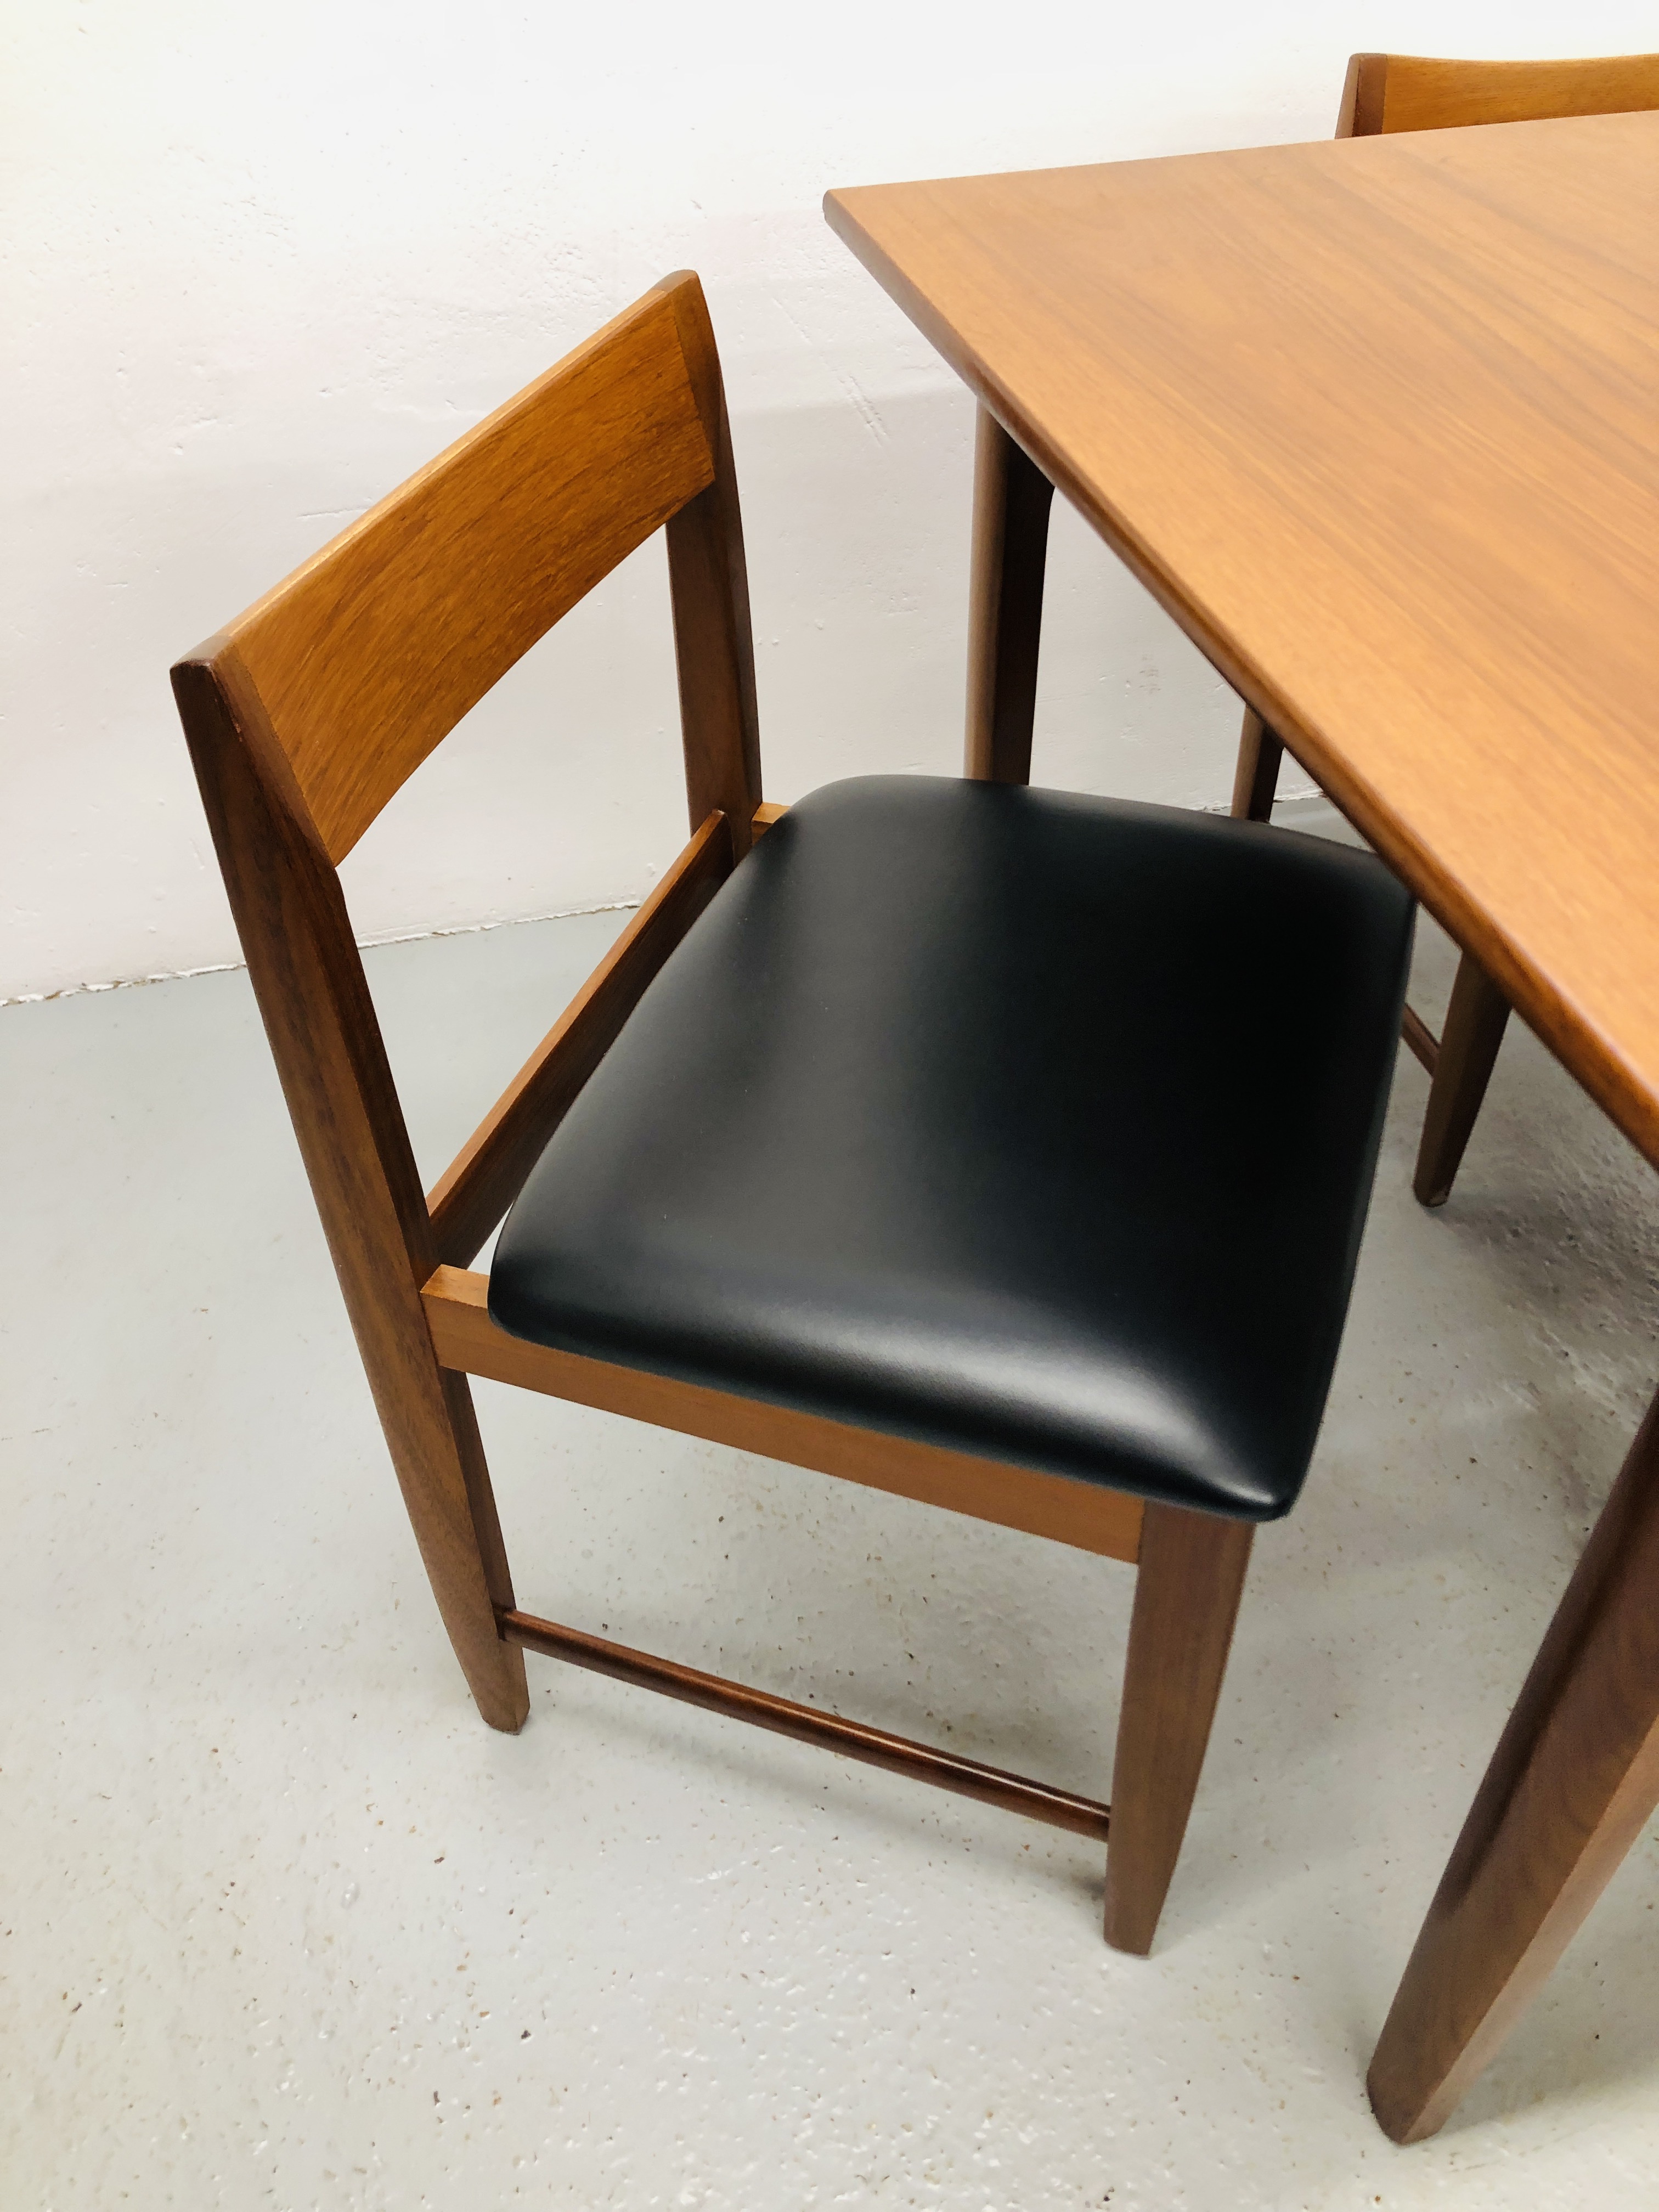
(1038, 1126)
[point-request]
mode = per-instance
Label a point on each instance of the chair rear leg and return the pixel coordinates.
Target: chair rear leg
(1191, 1574)
(1475, 1021)
(1256, 777)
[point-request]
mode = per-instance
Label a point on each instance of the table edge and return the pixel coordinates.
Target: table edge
(1588, 1056)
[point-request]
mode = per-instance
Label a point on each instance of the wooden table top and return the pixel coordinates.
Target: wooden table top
(1378, 422)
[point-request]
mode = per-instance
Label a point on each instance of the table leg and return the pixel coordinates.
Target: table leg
(1570, 1786)
(1011, 500)
(1256, 779)
(1475, 1021)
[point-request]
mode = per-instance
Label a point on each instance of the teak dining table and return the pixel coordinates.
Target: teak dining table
(1377, 421)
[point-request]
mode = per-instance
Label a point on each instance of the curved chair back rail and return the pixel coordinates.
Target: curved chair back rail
(1415, 91)
(370, 652)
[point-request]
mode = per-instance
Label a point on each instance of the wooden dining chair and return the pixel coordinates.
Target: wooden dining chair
(1409, 92)
(915, 1133)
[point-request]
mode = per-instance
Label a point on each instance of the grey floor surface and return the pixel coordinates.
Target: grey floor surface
(285, 1925)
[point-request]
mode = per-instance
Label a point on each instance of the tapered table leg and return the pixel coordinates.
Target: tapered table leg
(1570, 1786)
(1012, 501)
(1256, 779)
(1475, 1021)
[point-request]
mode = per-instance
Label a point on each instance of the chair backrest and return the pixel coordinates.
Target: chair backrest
(312, 710)
(367, 655)
(1410, 92)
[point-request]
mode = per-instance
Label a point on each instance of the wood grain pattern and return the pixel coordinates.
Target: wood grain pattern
(1413, 92)
(1011, 501)
(482, 1181)
(308, 979)
(1570, 1787)
(1192, 1575)
(1406, 92)
(1260, 753)
(366, 657)
(1378, 422)
(873, 1746)
(1103, 1520)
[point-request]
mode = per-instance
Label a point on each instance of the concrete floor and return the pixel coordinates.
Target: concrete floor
(285, 1925)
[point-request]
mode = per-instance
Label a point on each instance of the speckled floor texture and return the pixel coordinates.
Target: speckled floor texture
(285, 1925)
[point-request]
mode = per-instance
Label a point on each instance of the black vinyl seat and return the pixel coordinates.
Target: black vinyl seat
(965, 1113)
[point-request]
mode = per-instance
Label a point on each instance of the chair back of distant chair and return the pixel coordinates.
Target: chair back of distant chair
(1412, 92)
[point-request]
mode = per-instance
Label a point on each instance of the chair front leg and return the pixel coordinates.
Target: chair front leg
(1190, 1578)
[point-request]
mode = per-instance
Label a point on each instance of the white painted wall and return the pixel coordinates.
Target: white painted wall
(262, 261)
